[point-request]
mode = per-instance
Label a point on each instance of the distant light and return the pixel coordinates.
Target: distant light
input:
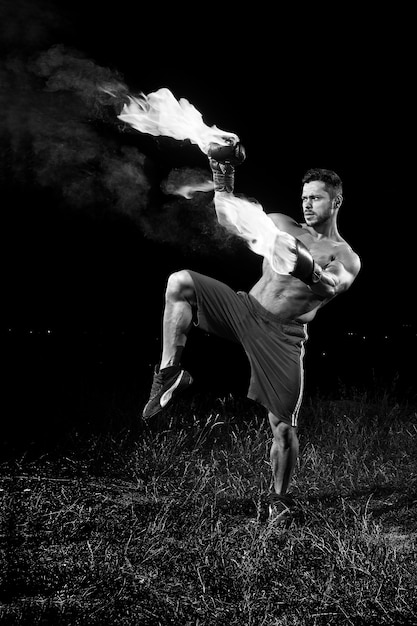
(324, 354)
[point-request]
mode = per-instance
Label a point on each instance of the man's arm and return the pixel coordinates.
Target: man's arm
(331, 280)
(328, 281)
(338, 275)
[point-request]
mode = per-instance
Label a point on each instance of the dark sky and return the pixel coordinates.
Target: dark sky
(91, 238)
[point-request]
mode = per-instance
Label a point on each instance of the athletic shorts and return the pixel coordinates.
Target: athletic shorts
(274, 347)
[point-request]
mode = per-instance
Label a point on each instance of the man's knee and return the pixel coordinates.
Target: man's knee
(180, 285)
(283, 432)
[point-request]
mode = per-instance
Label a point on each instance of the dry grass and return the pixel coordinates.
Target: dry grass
(164, 525)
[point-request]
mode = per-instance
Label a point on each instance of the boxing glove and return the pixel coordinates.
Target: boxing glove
(223, 160)
(234, 154)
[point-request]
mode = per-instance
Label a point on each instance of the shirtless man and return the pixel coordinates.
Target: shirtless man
(270, 321)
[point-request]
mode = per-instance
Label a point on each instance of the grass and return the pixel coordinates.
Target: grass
(165, 524)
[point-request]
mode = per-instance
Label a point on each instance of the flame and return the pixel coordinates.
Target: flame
(187, 191)
(159, 113)
(247, 220)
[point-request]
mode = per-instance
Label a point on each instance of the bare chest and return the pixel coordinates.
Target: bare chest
(288, 296)
(322, 251)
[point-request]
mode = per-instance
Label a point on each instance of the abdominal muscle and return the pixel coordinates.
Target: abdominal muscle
(286, 296)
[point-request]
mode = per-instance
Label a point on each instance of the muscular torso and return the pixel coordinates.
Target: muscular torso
(285, 295)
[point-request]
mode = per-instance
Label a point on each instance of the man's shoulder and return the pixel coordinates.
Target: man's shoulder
(344, 252)
(344, 247)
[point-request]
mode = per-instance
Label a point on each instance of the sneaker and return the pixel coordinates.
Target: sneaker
(281, 509)
(167, 383)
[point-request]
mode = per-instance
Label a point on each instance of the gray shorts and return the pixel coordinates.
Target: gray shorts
(274, 347)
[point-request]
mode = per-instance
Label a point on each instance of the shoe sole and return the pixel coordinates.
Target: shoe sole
(166, 397)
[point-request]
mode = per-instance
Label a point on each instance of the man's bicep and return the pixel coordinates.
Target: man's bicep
(343, 271)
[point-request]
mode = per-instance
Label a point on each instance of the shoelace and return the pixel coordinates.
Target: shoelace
(157, 384)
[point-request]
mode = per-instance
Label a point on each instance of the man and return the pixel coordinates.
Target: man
(271, 320)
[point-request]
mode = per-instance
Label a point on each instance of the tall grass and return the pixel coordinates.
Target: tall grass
(166, 524)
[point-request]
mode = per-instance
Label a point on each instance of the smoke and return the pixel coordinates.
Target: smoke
(194, 217)
(53, 132)
(27, 26)
(59, 131)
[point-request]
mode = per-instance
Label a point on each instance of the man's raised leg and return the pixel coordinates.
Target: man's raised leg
(169, 379)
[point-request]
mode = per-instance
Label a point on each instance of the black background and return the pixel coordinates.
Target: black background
(83, 284)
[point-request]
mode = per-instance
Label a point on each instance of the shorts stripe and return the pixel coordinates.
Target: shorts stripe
(294, 417)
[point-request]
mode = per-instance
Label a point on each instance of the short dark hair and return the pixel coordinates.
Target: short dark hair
(332, 180)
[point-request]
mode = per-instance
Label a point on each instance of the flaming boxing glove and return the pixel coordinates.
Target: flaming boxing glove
(306, 269)
(222, 161)
(232, 153)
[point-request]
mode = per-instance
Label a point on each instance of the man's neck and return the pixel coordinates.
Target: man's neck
(327, 230)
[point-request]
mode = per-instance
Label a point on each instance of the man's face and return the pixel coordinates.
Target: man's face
(317, 204)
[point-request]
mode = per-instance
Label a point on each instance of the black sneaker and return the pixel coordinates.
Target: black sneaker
(167, 383)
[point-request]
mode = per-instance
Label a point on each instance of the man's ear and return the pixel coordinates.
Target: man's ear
(338, 201)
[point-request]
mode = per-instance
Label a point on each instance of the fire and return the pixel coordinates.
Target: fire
(247, 220)
(159, 113)
(187, 191)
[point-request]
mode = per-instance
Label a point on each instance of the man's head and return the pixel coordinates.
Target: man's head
(321, 196)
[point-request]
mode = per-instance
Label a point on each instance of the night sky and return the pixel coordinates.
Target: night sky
(90, 237)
